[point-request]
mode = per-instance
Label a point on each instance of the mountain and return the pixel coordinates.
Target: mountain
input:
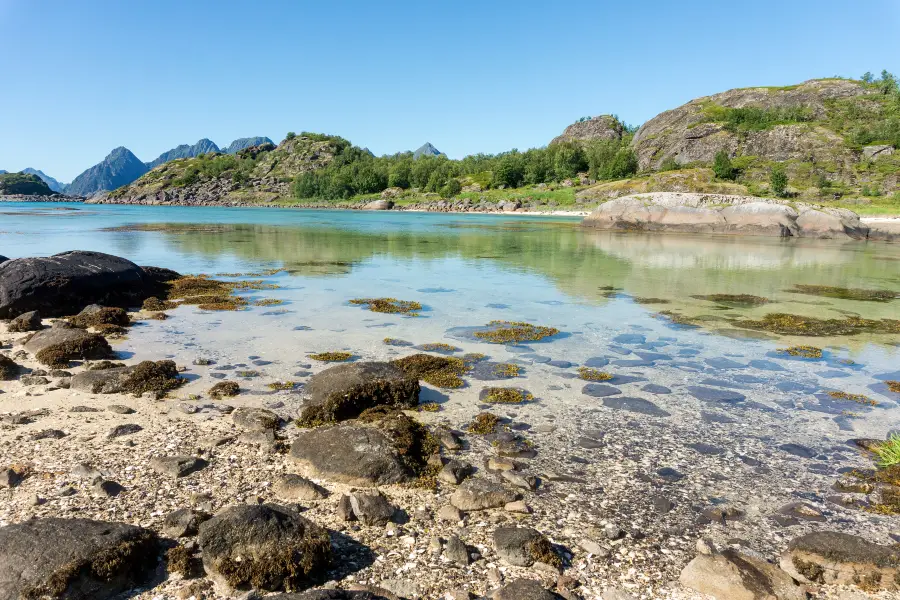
(261, 172)
(2, 172)
(184, 151)
(51, 183)
(120, 168)
(241, 143)
(23, 183)
(604, 127)
(426, 150)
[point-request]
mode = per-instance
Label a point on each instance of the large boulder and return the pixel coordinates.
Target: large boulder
(737, 576)
(29, 321)
(828, 557)
(65, 283)
(344, 391)
(148, 376)
(58, 345)
(264, 546)
(383, 204)
(354, 455)
(724, 214)
(74, 558)
(604, 127)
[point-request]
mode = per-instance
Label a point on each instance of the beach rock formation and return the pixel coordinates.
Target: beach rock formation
(74, 558)
(63, 284)
(839, 558)
(604, 127)
(737, 576)
(727, 215)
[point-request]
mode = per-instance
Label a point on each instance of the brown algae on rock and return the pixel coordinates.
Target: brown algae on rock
(439, 347)
(858, 398)
(505, 395)
(331, 356)
(506, 370)
(411, 439)
(91, 346)
(845, 293)
(157, 377)
(893, 386)
(512, 332)
(267, 302)
(788, 324)
(389, 305)
(224, 389)
(642, 300)
(590, 374)
(9, 370)
(484, 424)
(736, 300)
(104, 315)
(154, 304)
(802, 351)
(281, 385)
(429, 407)
(440, 371)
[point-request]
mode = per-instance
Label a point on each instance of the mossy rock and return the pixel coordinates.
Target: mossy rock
(440, 371)
(266, 546)
(224, 389)
(56, 346)
(344, 391)
(97, 316)
(74, 558)
(9, 369)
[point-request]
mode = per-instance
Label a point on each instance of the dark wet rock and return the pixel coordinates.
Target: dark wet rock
(481, 494)
(704, 448)
(74, 558)
(29, 321)
(184, 522)
(629, 338)
(833, 374)
(513, 446)
(344, 391)
(524, 589)
(635, 405)
(766, 365)
(294, 487)
(31, 380)
(124, 429)
(537, 358)
(255, 419)
(560, 364)
(454, 472)
(828, 557)
(797, 450)
(652, 388)
(600, 390)
(108, 488)
(264, 546)
(372, 508)
(521, 546)
(349, 454)
(65, 283)
(735, 576)
(620, 350)
(748, 379)
(706, 394)
(720, 362)
(177, 466)
(596, 362)
(633, 363)
(669, 474)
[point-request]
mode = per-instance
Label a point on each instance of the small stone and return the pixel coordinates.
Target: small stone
(32, 380)
(176, 466)
(345, 509)
(183, 522)
(449, 513)
(517, 506)
(456, 551)
(255, 419)
(661, 504)
(295, 487)
(125, 429)
(107, 488)
(613, 532)
(454, 472)
(9, 478)
(525, 482)
(481, 494)
(496, 463)
(120, 409)
(449, 440)
(592, 547)
(372, 508)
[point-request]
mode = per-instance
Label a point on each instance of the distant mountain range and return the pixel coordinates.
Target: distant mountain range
(184, 151)
(53, 184)
(426, 150)
(241, 143)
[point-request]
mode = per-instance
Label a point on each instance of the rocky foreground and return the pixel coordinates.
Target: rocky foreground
(346, 489)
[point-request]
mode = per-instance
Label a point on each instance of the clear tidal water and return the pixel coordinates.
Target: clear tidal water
(470, 269)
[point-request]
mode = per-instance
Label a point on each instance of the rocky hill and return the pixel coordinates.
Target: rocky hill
(604, 127)
(52, 183)
(831, 133)
(247, 142)
(119, 168)
(184, 151)
(255, 174)
(24, 184)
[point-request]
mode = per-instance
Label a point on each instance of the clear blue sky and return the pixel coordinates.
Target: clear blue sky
(84, 76)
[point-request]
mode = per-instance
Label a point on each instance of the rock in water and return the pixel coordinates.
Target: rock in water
(74, 558)
(828, 557)
(736, 576)
(379, 205)
(344, 391)
(65, 283)
(362, 456)
(264, 546)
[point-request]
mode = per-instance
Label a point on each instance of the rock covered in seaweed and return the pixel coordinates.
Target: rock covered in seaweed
(56, 346)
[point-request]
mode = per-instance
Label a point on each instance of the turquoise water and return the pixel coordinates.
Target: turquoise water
(603, 291)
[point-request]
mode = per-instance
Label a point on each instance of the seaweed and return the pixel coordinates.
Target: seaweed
(248, 373)
(893, 386)
(57, 356)
(182, 561)
(331, 356)
(439, 347)
(281, 385)
(389, 341)
(642, 300)
(845, 293)
(224, 389)
(268, 302)
(158, 316)
(484, 423)
(155, 304)
(788, 324)
(412, 440)
(510, 332)
(9, 369)
(156, 377)
(291, 565)
(541, 550)
(429, 407)
(735, 300)
(677, 318)
(104, 315)
(440, 371)
(506, 370)
(506, 395)
(389, 305)
(590, 374)
(802, 351)
(104, 365)
(858, 398)
(113, 331)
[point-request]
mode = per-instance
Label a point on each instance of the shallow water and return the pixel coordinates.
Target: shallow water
(470, 269)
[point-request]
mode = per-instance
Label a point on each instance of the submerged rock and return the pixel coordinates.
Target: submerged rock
(74, 558)
(265, 546)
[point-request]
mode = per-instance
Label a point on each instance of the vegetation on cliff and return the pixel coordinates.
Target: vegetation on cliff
(23, 183)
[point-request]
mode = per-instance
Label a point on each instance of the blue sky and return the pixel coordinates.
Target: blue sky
(82, 77)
